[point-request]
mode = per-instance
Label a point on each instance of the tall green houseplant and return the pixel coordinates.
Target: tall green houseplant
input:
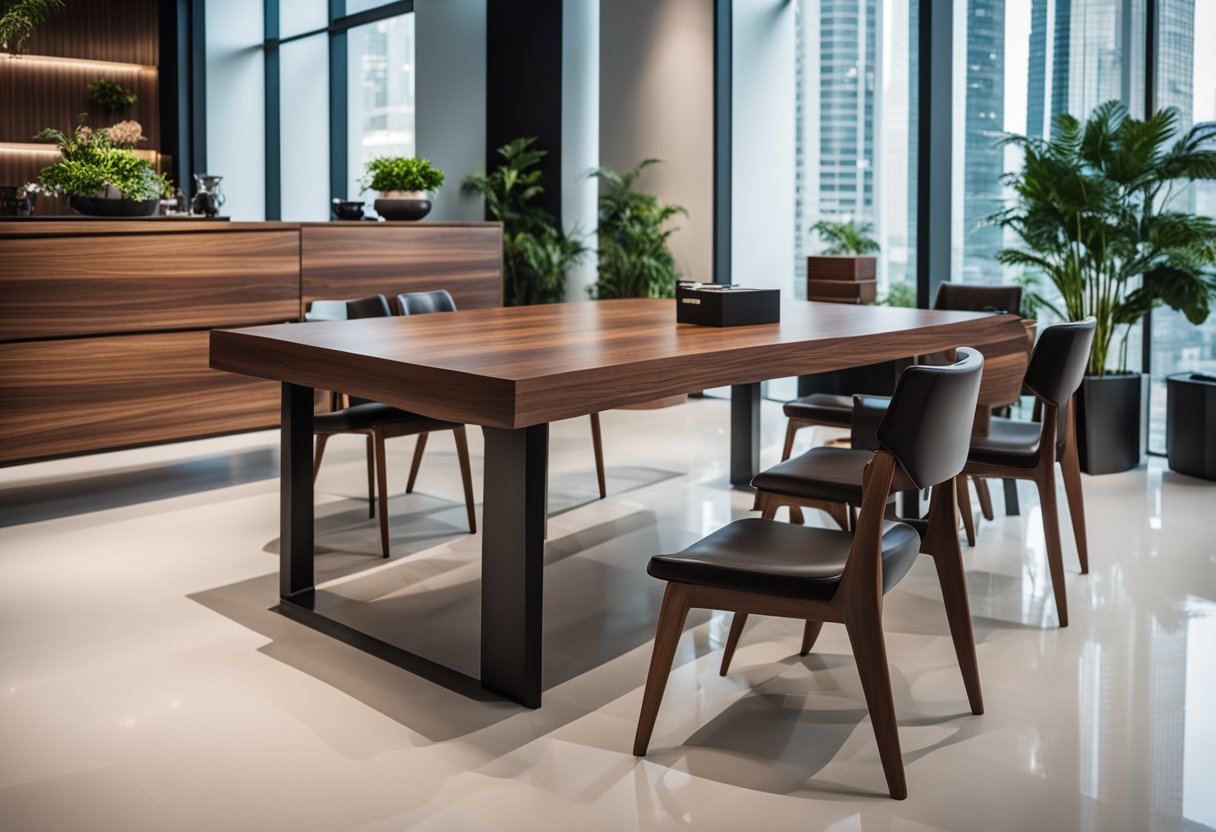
(537, 253)
(1095, 213)
(634, 260)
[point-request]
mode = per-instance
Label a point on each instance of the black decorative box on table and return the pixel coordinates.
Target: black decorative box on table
(721, 304)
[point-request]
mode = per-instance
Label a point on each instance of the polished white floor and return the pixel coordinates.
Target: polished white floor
(144, 685)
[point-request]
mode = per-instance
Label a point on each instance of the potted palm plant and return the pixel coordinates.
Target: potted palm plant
(405, 186)
(846, 270)
(634, 260)
(536, 252)
(1096, 213)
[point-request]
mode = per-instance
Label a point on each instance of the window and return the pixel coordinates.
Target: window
(855, 144)
(380, 94)
(1186, 79)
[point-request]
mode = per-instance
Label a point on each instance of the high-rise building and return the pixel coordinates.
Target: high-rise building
(984, 116)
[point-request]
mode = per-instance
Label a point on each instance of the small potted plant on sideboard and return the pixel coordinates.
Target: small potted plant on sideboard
(100, 172)
(405, 184)
(1094, 213)
(847, 270)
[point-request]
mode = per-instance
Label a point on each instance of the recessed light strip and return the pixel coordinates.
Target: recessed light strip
(50, 59)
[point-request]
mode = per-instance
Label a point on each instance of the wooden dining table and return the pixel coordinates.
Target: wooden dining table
(515, 370)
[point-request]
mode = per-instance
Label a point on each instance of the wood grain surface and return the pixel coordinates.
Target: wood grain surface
(88, 285)
(345, 260)
(63, 397)
(514, 367)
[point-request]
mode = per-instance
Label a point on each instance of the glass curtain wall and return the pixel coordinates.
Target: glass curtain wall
(380, 95)
(1185, 79)
(855, 136)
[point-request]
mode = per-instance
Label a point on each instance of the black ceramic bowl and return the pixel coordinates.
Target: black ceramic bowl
(348, 209)
(403, 209)
(105, 207)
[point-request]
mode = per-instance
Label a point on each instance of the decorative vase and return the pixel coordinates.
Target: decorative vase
(1108, 421)
(109, 206)
(403, 205)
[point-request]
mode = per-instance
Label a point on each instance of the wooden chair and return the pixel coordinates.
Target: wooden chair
(818, 575)
(440, 300)
(1028, 450)
(379, 422)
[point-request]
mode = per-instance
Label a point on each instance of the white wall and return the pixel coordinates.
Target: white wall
(236, 135)
(450, 90)
(580, 132)
(656, 100)
(762, 142)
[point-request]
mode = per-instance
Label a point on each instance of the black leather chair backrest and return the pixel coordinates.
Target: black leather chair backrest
(1060, 358)
(965, 297)
(372, 306)
(422, 303)
(927, 427)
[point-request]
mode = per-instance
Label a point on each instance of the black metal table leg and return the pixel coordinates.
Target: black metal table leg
(1011, 497)
(512, 561)
(744, 433)
(296, 493)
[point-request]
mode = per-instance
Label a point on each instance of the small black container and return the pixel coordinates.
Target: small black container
(1190, 424)
(1109, 435)
(726, 305)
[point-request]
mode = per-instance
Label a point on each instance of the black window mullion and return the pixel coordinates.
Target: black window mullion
(274, 151)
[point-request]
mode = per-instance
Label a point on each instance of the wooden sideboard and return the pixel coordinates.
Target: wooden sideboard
(104, 324)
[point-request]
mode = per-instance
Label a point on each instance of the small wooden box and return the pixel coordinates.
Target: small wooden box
(841, 267)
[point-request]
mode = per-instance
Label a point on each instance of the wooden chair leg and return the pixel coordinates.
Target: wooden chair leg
(597, 442)
(419, 448)
(796, 516)
(981, 491)
(942, 544)
(371, 472)
(1046, 481)
(870, 652)
(964, 508)
(322, 438)
(810, 632)
(1070, 465)
(790, 430)
(671, 624)
(382, 482)
(732, 641)
(466, 474)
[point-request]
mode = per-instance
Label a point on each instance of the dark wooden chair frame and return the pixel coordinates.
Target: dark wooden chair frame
(857, 604)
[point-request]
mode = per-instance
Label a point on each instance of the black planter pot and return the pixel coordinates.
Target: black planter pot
(403, 209)
(1190, 424)
(107, 207)
(1109, 431)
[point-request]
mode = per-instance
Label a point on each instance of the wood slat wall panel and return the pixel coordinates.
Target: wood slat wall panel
(102, 30)
(63, 397)
(86, 285)
(350, 260)
(42, 94)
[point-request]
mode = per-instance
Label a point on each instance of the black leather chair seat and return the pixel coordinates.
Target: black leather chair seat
(368, 415)
(822, 409)
(1009, 442)
(831, 474)
(782, 559)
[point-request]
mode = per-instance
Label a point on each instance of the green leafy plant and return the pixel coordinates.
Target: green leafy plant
(900, 294)
(399, 173)
(1092, 212)
(94, 160)
(112, 96)
(845, 237)
(19, 20)
(537, 253)
(634, 261)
